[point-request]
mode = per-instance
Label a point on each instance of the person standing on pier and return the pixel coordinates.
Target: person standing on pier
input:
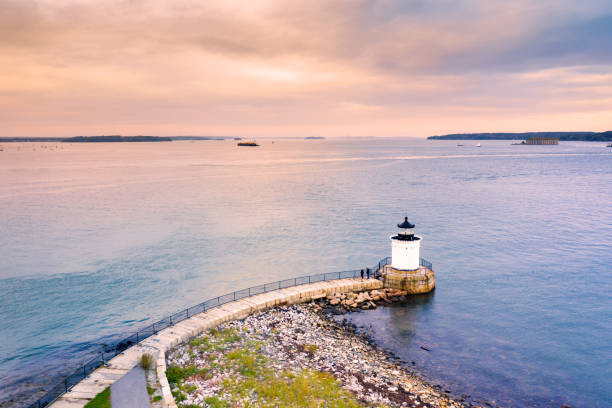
(361, 274)
(368, 272)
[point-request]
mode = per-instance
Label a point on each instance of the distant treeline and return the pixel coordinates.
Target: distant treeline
(107, 139)
(564, 136)
(115, 138)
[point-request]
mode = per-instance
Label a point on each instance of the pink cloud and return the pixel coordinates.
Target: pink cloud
(278, 68)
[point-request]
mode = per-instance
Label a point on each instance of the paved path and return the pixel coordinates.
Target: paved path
(130, 391)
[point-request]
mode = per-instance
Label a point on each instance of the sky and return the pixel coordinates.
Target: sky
(304, 68)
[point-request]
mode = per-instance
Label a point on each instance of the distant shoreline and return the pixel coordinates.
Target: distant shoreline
(106, 139)
(562, 136)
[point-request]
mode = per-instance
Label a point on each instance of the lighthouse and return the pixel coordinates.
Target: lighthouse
(405, 247)
(407, 271)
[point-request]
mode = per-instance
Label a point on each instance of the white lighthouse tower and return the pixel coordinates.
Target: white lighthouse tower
(405, 248)
(407, 271)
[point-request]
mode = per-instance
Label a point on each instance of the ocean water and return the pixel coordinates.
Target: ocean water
(97, 240)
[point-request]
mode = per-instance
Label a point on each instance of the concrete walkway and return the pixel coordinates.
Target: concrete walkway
(157, 345)
(130, 391)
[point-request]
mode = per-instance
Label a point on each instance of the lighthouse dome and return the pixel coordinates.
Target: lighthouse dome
(406, 224)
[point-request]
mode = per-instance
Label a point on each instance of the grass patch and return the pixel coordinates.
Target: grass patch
(200, 341)
(268, 387)
(246, 360)
(215, 402)
(179, 396)
(227, 336)
(306, 389)
(102, 400)
(146, 361)
(157, 398)
(175, 374)
(253, 379)
(150, 390)
(311, 348)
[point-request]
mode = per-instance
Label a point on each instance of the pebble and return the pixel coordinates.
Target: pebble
(303, 336)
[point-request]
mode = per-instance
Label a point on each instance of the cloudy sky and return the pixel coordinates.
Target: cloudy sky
(303, 67)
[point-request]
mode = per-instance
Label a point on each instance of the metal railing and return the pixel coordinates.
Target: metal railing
(426, 264)
(109, 352)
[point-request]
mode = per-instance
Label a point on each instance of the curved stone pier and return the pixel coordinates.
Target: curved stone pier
(157, 344)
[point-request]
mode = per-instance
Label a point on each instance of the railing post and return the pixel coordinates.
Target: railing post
(234, 295)
(308, 278)
(264, 288)
(154, 331)
(294, 281)
(339, 274)
(249, 292)
(66, 384)
(84, 373)
(188, 313)
(171, 324)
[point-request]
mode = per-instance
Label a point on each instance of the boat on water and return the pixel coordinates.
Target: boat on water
(477, 144)
(251, 144)
(459, 144)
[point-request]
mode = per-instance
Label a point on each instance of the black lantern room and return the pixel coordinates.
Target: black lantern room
(406, 232)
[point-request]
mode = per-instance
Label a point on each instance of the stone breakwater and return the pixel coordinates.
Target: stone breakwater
(342, 302)
(184, 331)
(291, 344)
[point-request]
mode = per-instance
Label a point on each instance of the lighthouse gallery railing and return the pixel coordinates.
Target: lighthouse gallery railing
(109, 352)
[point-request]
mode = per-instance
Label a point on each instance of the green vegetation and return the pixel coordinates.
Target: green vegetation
(215, 402)
(563, 136)
(175, 374)
(150, 390)
(306, 388)
(146, 361)
(157, 398)
(102, 400)
(225, 336)
(250, 377)
(311, 348)
(114, 139)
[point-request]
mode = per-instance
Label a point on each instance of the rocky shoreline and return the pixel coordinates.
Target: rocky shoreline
(300, 343)
(341, 303)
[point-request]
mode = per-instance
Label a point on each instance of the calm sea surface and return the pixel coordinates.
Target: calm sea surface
(97, 240)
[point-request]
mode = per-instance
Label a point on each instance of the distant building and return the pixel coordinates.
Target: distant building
(542, 141)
